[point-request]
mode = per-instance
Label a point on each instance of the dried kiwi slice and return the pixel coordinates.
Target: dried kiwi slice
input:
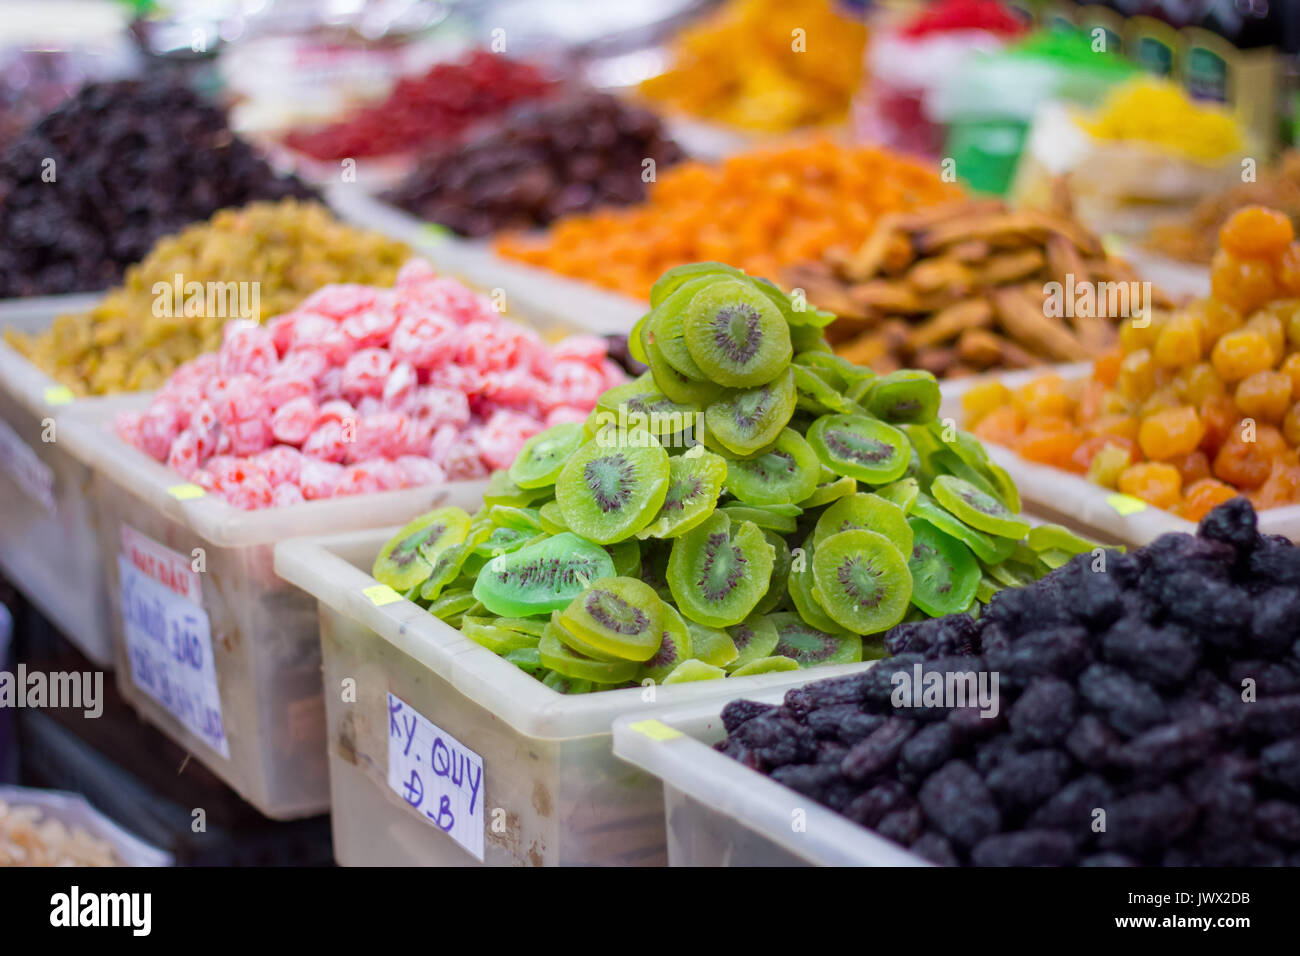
(542, 457)
(541, 577)
(908, 395)
(551, 518)
(610, 491)
(447, 567)
(800, 316)
(499, 640)
(777, 590)
(755, 638)
(768, 518)
(784, 474)
(766, 665)
(748, 421)
(509, 516)
(977, 509)
(814, 394)
(718, 571)
(501, 490)
(1054, 537)
(575, 643)
(838, 371)
(627, 558)
(527, 659)
(619, 616)
(736, 334)
(640, 404)
(862, 581)
(988, 549)
(452, 603)
(559, 658)
(800, 585)
(677, 385)
(860, 447)
(693, 488)
(902, 493)
(407, 558)
(675, 648)
(945, 575)
(666, 332)
(830, 491)
(869, 512)
(566, 685)
(810, 646)
(674, 278)
(693, 670)
(710, 644)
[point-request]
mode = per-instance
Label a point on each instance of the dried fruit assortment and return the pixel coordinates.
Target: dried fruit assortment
(142, 330)
(363, 389)
(87, 190)
(762, 211)
(1158, 113)
(423, 111)
(1193, 407)
(540, 162)
(752, 503)
(1120, 734)
(963, 287)
(743, 66)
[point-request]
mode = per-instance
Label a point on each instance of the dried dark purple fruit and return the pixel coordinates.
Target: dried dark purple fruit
(1023, 781)
(1147, 821)
(1073, 808)
(928, 750)
(826, 721)
(877, 751)
(936, 848)
(1127, 704)
(738, 711)
(810, 779)
(902, 826)
(1274, 622)
(1092, 741)
(958, 804)
(1163, 656)
(882, 799)
(1108, 859)
(1025, 848)
(1274, 718)
(1058, 652)
(1233, 523)
(1167, 748)
(1044, 713)
(1278, 820)
(1280, 763)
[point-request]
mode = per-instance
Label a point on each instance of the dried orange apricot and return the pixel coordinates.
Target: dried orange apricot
(1245, 284)
(1137, 378)
(1204, 496)
(1266, 322)
(1051, 441)
(1264, 395)
(1281, 488)
(1108, 464)
(1256, 232)
(1115, 426)
(1288, 269)
(1044, 396)
(1154, 482)
(981, 399)
(1106, 368)
(1197, 383)
(1241, 353)
(1241, 463)
(1192, 467)
(1179, 342)
(1218, 415)
(1089, 448)
(1217, 318)
(1291, 424)
(1170, 432)
(1002, 426)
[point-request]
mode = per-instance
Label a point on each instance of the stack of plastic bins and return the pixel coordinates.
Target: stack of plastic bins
(242, 692)
(551, 792)
(718, 812)
(47, 541)
(1070, 499)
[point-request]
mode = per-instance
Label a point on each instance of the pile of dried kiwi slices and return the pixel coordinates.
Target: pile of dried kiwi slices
(752, 503)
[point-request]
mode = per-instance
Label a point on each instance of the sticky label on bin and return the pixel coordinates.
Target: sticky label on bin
(27, 470)
(1126, 505)
(437, 775)
(171, 569)
(58, 395)
(186, 492)
(381, 594)
(169, 648)
(655, 730)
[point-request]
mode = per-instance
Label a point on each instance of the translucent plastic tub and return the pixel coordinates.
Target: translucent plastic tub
(241, 690)
(718, 812)
(1072, 500)
(552, 793)
(47, 541)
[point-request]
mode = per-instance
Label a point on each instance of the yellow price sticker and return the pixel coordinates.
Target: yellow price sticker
(1126, 505)
(655, 730)
(381, 594)
(186, 492)
(58, 395)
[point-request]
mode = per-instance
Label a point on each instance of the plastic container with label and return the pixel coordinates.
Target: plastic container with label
(236, 678)
(718, 812)
(1069, 499)
(47, 540)
(552, 792)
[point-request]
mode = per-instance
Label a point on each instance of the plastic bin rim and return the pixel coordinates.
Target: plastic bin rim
(756, 801)
(522, 702)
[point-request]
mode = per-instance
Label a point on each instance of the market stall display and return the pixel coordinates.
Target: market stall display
(760, 211)
(539, 162)
(1194, 407)
(764, 65)
(601, 560)
(77, 209)
(250, 263)
(965, 287)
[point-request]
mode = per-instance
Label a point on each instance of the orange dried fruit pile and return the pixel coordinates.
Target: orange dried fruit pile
(760, 211)
(1192, 408)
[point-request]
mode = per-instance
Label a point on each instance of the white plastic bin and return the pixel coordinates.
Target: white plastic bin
(552, 791)
(47, 540)
(718, 812)
(1072, 500)
(73, 811)
(210, 567)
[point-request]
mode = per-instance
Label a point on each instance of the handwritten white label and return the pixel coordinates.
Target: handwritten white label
(31, 474)
(436, 774)
(169, 568)
(169, 646)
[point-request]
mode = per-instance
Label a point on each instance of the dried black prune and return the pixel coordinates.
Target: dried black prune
(737, 712)
(1232, 522)
(1025, 848)
(1147, 821)
(958, 804)
(1044, 713)
(1023, 781)
(882, 799)
(1163, 656)
(1058, 652)
(1073, 808)
(1127, 704)
(877, 751)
